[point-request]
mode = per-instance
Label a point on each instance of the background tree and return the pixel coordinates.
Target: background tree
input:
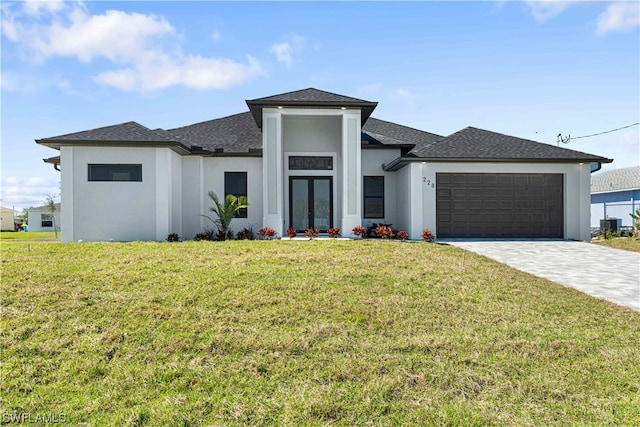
(226, 210)
(51, 208)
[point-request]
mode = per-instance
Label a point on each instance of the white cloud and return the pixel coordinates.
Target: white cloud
(282, 52)
(408, 98)
(31, 191)
(293, 46)
(543, 10)
(620, 16)
(145, 46)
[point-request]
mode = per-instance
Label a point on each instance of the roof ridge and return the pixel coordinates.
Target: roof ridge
(208, 121)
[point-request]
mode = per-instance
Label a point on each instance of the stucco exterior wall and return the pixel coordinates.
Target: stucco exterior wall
(576, 190)
(103, 211)
(213, 180)
(372, 161)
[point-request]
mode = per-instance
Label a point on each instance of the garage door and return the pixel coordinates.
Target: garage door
(499, 205)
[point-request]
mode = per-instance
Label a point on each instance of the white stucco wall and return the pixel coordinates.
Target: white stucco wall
(372, 161)
(213, 180)
(120, 211)
(576, 190)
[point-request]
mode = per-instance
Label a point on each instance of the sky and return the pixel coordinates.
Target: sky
(532, 69)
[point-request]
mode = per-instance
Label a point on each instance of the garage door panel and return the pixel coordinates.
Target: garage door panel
(499, 205)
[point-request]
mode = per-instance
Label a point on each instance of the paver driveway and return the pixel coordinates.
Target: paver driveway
(602, 272)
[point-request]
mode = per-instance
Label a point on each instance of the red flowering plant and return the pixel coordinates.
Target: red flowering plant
(358, 231)
(402, 235)
(311, 233)
(334, 232)
(266, 233)
(428, 236)
(291, 232)
(384, 232)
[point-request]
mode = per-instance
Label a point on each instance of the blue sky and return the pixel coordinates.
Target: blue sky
(532, 69)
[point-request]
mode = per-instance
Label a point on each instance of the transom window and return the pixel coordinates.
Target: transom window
(236, 183)
(373, 196)
(115, 172)
(311, 163)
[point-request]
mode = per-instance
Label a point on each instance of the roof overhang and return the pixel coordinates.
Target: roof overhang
(57, 143)
(401, 162)
(257, 105)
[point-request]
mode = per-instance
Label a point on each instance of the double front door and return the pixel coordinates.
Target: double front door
(311, 202)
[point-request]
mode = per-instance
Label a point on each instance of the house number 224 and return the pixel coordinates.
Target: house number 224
(428, 182)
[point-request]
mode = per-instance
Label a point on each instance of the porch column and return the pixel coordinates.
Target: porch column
(272, 172)
(351, 172)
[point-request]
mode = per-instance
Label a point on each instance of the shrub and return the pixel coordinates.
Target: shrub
(173, 237)
(334, 232)
(311, 233)
(402, 235)
(246, 234)
(428, 236)
(384, 232)
(266, 233)
(291, 232)
(358, 230)
(205, 235)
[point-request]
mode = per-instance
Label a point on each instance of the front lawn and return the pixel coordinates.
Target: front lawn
(306, 333)
(43, 236)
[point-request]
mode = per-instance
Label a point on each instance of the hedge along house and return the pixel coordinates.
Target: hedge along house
(311, 158)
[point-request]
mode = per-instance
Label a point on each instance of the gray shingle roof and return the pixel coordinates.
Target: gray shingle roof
(310, 97)
(473, 143)
(129, 131)
(235, 134)
(46, 207)
(394, 134)
(616, 180)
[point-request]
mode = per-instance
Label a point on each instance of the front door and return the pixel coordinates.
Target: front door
(311, 202)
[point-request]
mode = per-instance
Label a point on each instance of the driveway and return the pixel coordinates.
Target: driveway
(602, 272)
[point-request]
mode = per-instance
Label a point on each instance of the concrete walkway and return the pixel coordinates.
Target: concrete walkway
(599, 271)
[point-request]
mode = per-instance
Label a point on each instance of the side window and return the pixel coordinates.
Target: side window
(115, 172)
(46, 220)
(373, 196)
(236, 183)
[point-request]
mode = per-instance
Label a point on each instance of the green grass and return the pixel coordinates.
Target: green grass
(29, 235)
(625, 243)
(306, 333)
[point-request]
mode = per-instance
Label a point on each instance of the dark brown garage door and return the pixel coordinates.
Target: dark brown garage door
(499, 205)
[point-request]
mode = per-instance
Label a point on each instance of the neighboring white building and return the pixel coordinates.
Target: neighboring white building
(614, 195)
(311, 158)
(7, 219)
(40, 219)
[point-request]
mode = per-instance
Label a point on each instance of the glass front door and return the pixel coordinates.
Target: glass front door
(311, 203)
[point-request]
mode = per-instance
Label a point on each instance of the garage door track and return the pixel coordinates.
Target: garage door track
(599, 271)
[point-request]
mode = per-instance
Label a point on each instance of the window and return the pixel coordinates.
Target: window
(115, 172)
(373, 196)
(236, 183)
(311, 163)
(46, 220)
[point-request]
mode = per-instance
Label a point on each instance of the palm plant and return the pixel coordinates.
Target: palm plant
(226, 210)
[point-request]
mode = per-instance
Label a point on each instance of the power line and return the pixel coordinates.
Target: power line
(568, 138)
(607, 131)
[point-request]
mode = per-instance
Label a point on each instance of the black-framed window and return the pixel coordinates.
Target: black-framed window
(311, 163)
(115, 172)
(46, 220)
(373, 196)
(236, 183)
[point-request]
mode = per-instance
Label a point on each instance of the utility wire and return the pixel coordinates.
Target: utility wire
(607, 131)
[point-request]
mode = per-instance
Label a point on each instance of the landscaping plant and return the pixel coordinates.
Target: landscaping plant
(311, 233)
(334, 232)
(384, 232)
(402, 235)
(291, 232)
(358, 231)
(428, 236)
(226, 211)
